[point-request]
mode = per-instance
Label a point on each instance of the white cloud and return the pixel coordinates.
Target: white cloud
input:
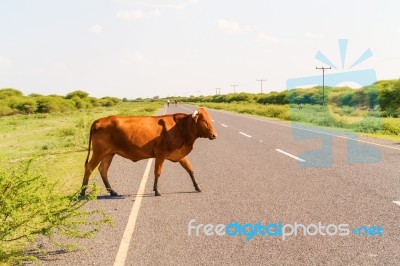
(127, 15)
(138, 14)
(132, 57)
(179, 4)
(95, 29)
(155, 12)
(5, 63)
(263, 37)
(136, 56)
(232, 27)
(313, 35)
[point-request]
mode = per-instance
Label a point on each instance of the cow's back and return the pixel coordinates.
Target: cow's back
(136, 137)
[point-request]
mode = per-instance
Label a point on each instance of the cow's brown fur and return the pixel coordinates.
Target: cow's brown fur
(167, 137)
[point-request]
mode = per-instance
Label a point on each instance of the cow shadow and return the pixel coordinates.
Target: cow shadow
(109, 197)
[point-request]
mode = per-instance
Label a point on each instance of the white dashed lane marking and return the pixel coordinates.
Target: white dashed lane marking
(290, 155)
(396, 202)
(224, 125)
(244, 134)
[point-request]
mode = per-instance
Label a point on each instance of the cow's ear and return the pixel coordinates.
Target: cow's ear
(195, 115)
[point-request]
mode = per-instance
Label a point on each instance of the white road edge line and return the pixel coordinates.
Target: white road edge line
(130, 226)
(396, 202)
(244, 134)
(290, 155)
(224, 125)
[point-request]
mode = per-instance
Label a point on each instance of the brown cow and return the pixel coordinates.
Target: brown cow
(167, 137)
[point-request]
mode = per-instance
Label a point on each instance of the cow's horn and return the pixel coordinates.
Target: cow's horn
(195, 113)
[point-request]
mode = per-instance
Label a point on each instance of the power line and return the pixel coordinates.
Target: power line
(234, 87)
(323, 82)
(261, 82)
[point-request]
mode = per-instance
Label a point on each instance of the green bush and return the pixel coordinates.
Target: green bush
(81, 103)
(30, 208)
(26, 105)
(79, 94)
(6, 93)
(5, 109)
(109, 101)
(54, 104)
(391, 126)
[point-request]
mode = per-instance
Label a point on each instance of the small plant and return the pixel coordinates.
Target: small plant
(29, 208)
(68, 131)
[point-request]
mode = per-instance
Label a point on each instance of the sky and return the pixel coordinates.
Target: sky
(146, 48)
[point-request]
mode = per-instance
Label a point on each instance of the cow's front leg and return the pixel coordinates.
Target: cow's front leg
(157, 173)
(188, 167)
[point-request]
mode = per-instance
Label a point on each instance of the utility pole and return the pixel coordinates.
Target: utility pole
(198, 93)
(217, 91)
(323, 82)
(234, 87)
(261, 81)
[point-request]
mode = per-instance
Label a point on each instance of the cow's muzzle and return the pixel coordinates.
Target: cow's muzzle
(213, 136)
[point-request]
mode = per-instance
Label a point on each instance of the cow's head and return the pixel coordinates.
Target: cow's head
(204, 125)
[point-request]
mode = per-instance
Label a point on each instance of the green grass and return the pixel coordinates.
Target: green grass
(345, 119)
(58, 141)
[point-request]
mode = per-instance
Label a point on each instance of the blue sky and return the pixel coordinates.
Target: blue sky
(138, 48)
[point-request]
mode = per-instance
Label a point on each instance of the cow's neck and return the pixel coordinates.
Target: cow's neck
(188, 128)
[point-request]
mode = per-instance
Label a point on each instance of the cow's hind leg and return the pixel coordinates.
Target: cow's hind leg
(89, 167)
(188, 167)
(103, 169)
(157, 173)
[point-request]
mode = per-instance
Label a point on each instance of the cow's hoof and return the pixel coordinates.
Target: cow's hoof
(81, 197)
(198, 189)
(113, 193)
(158, 193)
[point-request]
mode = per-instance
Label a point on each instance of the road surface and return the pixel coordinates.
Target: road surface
(253, 172)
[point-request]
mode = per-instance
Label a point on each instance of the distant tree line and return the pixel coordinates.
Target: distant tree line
(13, 101)
(383, 95)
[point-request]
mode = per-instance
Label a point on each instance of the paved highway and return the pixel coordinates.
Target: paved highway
(253, 172)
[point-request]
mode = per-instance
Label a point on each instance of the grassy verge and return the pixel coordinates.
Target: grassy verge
(41, 168)
(346, 119)
(57, 140)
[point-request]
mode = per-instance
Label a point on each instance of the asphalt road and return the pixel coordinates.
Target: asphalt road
(257, 170)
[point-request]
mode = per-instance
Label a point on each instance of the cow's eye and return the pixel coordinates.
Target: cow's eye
(205, 123)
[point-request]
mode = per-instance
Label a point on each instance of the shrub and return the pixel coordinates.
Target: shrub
(5, 109)
(79, 94)
(391, 126)
(109, 101)
(26, 105)
(52, 104)
(29, 207)
(6, 93)
(81, 103)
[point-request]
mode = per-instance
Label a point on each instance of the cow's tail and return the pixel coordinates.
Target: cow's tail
(90, 143)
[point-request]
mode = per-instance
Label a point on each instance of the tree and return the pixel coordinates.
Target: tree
(6, 93)
(80, 94)
(26, 105)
